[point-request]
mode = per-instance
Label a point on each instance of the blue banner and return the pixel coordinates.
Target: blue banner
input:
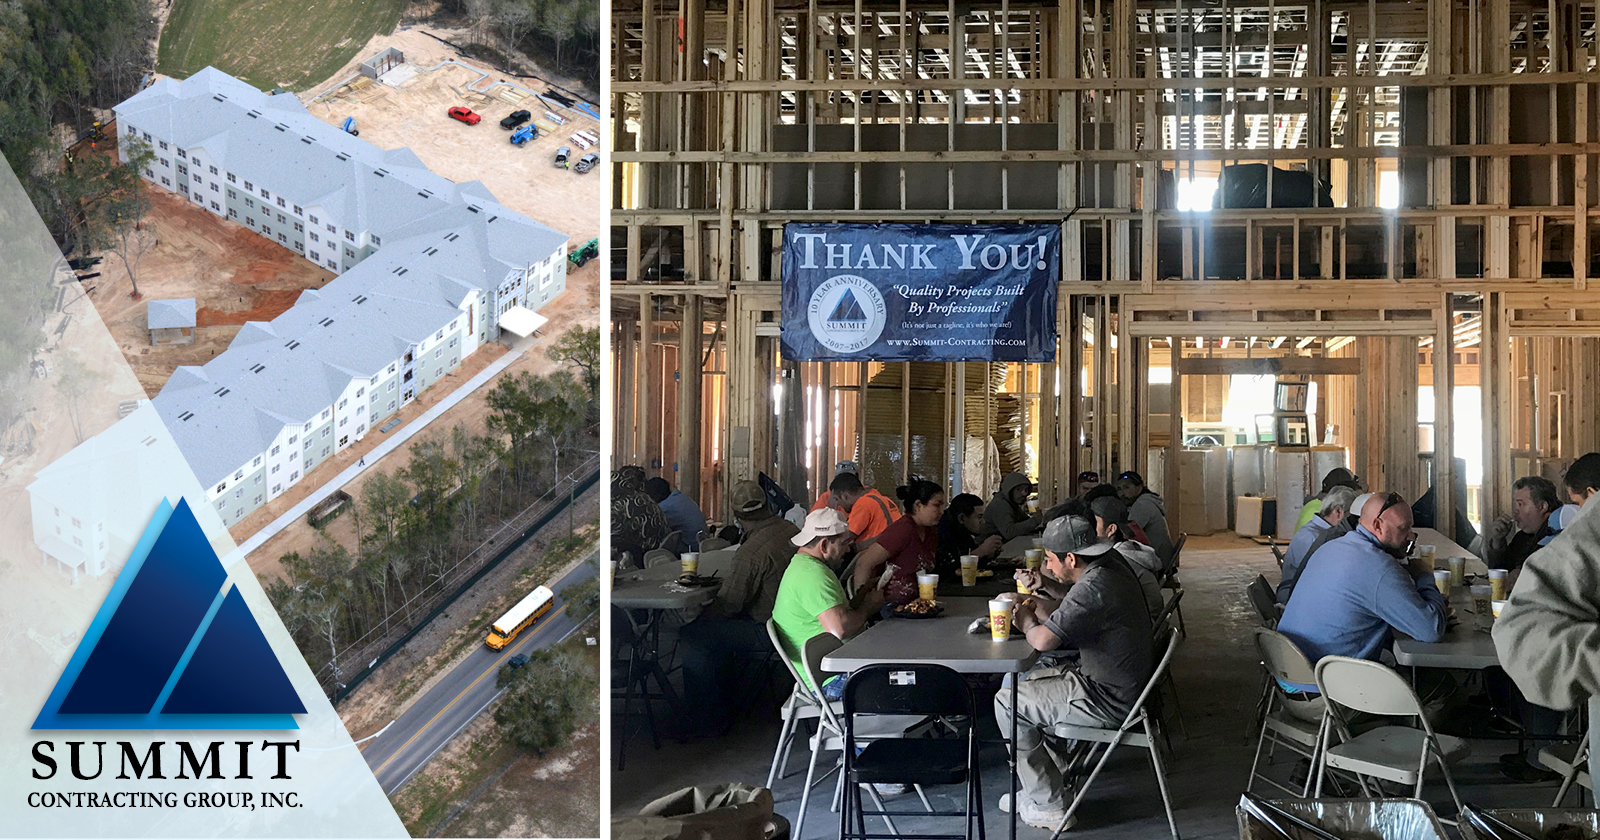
(945, 293)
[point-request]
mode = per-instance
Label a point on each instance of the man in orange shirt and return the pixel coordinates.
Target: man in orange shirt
(826, 499)
(870, 511)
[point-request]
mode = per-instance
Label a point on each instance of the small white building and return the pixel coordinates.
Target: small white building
(171, 321)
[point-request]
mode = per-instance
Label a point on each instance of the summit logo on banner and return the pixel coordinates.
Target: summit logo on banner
(174, 646)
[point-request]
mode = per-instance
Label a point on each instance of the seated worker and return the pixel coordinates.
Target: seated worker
(1337, 504)
(1509, 540)
(1007, 513)
(637, 523)
(1360, 588)
(1087, 480)
(958, 535)
(1336, 477)
(1131, 527)
(734, 622)
(1149, 511)
(1111, 523)
(1080, 601)
(907, 546)
(826, 499)
(1582, 479)
(683, 515)
(870, 512)
(810, 598)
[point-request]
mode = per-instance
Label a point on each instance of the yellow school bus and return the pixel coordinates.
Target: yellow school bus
(519, 617)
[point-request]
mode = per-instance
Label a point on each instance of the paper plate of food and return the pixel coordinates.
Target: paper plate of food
(919, 609)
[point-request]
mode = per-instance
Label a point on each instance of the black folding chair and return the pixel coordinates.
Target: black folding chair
(931, 690)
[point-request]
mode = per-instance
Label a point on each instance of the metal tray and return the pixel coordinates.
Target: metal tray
(1356, 819)
(1536, 821)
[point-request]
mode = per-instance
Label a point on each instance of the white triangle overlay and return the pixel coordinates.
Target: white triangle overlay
(135, 464)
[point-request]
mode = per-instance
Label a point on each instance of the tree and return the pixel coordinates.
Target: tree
(76, 381)
(546, 699)
(580, 348)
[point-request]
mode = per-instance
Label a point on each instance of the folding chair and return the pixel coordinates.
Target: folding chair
(1570, 762)
(1277, 553)
(1394, 753)
(1136, 730)
(1159, 633)
(930, 690)
(712, 543)
(1171, 579)
(658, 556)
(1264, 601)
(830, 730)
(673, 542)
(801, 705)
(1285, 722)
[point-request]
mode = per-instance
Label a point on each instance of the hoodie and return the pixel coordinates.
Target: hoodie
(1548, 635)
(1004, 518)
(1150, 512)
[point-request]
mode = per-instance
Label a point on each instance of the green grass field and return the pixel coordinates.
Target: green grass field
(271, 43)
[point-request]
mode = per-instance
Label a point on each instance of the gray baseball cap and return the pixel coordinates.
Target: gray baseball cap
(1074, 535)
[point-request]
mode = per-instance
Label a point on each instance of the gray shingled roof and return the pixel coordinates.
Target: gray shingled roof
(166, 314)
(284, 372)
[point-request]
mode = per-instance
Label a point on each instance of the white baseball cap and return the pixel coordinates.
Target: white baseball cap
(1358, 504)
(822, 522)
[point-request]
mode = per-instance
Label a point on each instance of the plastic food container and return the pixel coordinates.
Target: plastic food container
(1354, 819)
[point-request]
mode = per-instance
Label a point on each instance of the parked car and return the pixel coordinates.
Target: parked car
(518, 661)
(463, 114)
(349, 125)
(524, 134)
(561, 156)
(517, 118)
(586, 163)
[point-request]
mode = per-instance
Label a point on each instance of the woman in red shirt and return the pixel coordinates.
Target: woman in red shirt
(908, 546)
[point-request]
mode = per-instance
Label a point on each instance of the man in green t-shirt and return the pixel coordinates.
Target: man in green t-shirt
(1336, 477)
(810, 598)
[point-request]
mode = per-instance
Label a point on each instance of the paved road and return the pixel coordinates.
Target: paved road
(454, 701)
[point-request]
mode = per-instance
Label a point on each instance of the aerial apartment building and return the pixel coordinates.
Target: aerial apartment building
(427, 271)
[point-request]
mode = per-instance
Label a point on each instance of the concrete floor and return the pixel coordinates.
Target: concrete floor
(1219, 679)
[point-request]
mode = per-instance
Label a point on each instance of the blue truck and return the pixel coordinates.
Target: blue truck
(349, 125)
(524, 134)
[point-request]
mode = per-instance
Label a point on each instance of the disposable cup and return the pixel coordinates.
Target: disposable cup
(927, 585)
(1022, 588)
(1033, 558)
(1458, 569)
(1033, 506)
(690, 561)
(1496, 607)
(1038, 542)
(1000, 619)
(1441, 579)
(969, 570)
(611, 572)
(1481, 599)
(1497, 584)
(1427, 552)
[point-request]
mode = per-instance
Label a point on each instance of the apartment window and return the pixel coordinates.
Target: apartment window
(454, 359)
(183, 170)
(78, 542)
(274, 451)
(182, 155)
(165, 182)
(342, 403)
(275, 472)
(293, 455)
(452, 341)
(349, 253)
(238, 493)
(215, 206)
(213, 170)
(438, 353)
(333, 265)
(215, 188)
(344, 440)
(281, 219)
(266, 231)
(238, 475)
(232, 179)
(76, 523)
(350, 235)
(232, 195)
(342, 421)
(326, 412)
(327, 431)
(221, 487)
(149, 173)
(276, 489)
(238, 513)
(391, 387)
(250, 222)
(258, 500)
(332, 229)
(297, 210)
(250, 203)
(258, 478)
(391, 368)
(391, 402)
(163, 145)
(280, 201)
(264, 193)
(299, 246)
(325, 451)
(257, 461)
(292, 439)
(282, 238)
(359, 430)
(146, 136)
(299, 228)
(314, 237)
(294, 476)
(439, 336)
(376, 241)
(312, 219)
(308, 428)
(316, 257)
(249, 186)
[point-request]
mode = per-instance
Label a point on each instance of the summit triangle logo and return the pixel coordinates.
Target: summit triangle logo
(174, 646)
